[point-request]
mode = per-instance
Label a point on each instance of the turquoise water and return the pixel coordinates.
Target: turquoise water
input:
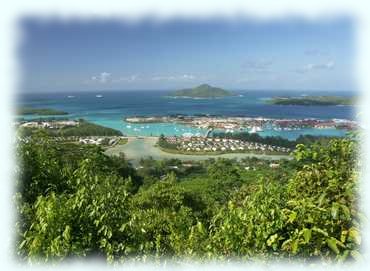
(113, 107)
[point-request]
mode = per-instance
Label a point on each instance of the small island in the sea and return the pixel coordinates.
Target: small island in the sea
(201, 91)
(312, 100)
(40, 111)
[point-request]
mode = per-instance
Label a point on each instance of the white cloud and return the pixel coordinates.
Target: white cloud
(315, 52)
(130, 78)
(102, 77)
(188, 76)
(259, 65)
(174, 78)
(106, 77)
(318, 66)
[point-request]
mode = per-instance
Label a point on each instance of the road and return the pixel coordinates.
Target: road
(143, 147)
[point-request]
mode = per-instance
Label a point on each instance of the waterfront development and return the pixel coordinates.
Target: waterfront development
(253, 125)
(193, 134)
(138, 148)
(152, 113)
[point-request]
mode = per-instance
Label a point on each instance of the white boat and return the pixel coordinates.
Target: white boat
(256, 129)
(99, 96)
(70, 96)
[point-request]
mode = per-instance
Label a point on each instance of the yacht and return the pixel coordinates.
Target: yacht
(99, 96)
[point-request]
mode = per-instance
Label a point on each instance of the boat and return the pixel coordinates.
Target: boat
(99, 96)
(256, 129)
(70, 96)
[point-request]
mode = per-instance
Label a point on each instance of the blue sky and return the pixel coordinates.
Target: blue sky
(239, 54)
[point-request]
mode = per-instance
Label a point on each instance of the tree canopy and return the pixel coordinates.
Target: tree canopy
(76, 201)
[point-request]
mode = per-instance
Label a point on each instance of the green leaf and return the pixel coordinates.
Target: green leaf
(334, 210)
(306, 235)
(66, 233)
(354, 234)
(272, 239)
(294, 246)
(332, 244)
(292, 217)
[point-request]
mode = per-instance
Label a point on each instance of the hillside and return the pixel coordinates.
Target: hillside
(201, 91)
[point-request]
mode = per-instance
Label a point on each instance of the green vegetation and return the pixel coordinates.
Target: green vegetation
(276, 140)
(39, 111)
(313, 100)
(202, 91)
(175, 150)
(255, 138)
(122, 141)
(84, 128)
(77, 202)
(88, 129)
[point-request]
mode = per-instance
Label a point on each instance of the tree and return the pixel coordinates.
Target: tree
(82, 222)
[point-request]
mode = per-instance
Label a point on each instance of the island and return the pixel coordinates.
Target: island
(201, 91)
(40, 111)
(312, 100)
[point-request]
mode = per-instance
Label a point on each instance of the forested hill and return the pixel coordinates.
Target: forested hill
(73, 201)
(202, 91)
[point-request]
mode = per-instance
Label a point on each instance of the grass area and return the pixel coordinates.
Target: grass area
(122, 141)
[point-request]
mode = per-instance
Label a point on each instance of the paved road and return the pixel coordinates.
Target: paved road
(137, 148)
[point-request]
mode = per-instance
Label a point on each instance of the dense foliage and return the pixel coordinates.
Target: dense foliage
(75, 202)
(201, 91)
(88, 129)
(40, 111)
(84, 128)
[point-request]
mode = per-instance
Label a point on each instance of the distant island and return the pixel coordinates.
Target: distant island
(201, 91)
(312, 100)
(39, 111)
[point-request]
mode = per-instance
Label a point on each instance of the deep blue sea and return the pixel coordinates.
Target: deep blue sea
(110, 109)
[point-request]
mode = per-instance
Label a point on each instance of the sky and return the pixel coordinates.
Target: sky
(83, 55)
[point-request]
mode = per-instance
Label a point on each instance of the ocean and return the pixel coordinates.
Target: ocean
(111, 107)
